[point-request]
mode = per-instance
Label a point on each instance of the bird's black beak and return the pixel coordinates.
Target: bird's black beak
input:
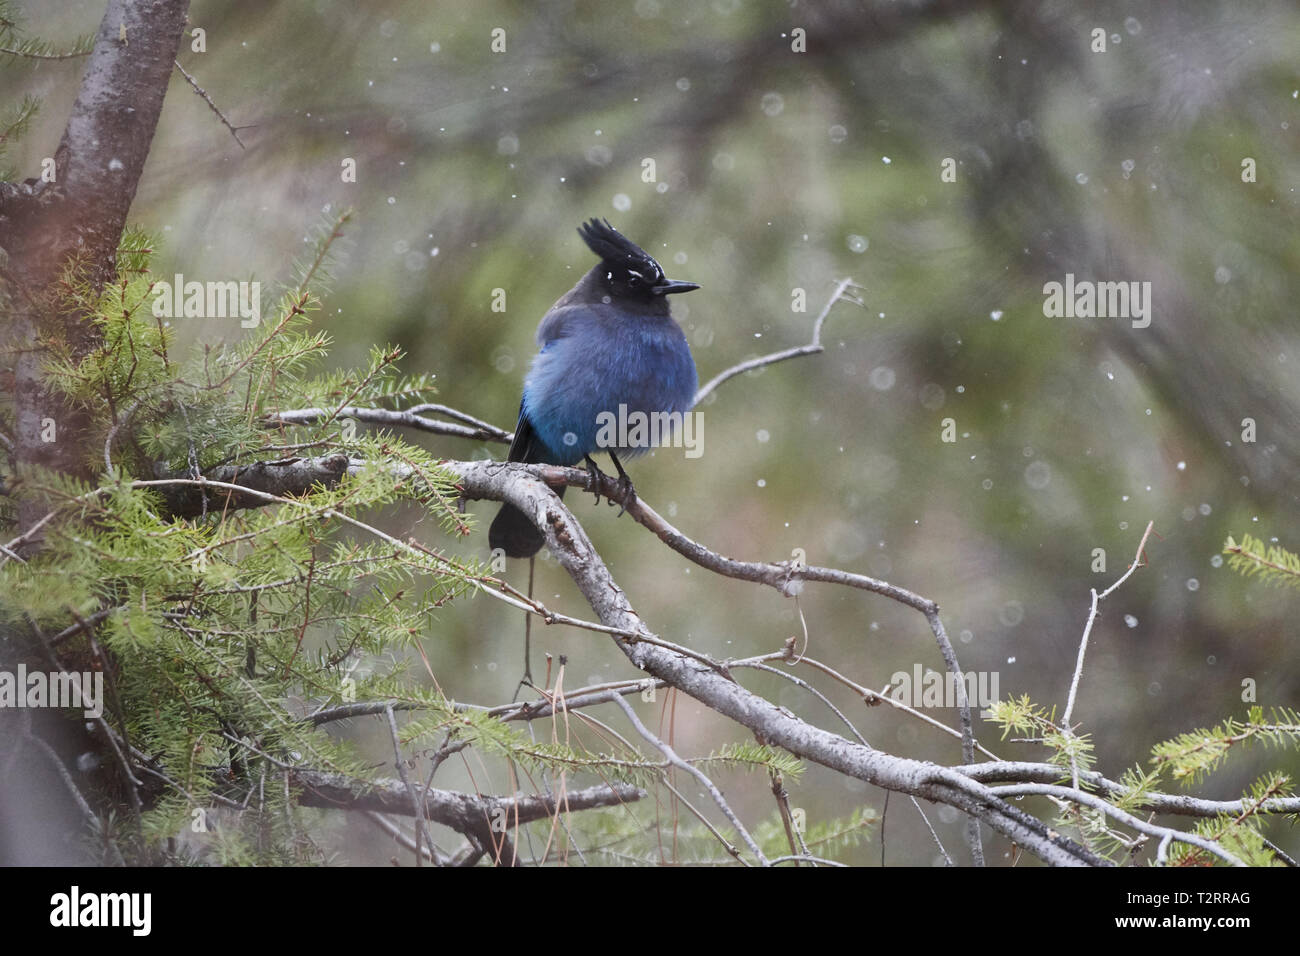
(672, 286)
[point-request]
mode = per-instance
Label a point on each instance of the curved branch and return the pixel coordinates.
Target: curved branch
(569, 544)
(842, 288)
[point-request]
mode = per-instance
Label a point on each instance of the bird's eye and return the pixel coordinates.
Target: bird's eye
(633, 279)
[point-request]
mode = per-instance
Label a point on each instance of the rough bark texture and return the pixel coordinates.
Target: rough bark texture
(463, 812)
(78, 219)
(290, 477)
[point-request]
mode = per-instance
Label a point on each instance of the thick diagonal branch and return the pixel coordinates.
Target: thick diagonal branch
(569, 544)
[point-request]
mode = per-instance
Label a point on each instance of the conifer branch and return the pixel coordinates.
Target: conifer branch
(1271, 563)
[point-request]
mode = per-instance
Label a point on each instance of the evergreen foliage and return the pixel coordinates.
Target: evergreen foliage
(224, 632)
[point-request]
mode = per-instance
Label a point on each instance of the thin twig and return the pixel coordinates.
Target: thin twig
(486, 427)
(812, 348)
(430, 853)
(805, 858)
(800, 682)
(695, 772)
(1083, 645)
(213, 106)
(407, 418)
(937, 842)
(417, 804)
(872, 697)
(71, 784)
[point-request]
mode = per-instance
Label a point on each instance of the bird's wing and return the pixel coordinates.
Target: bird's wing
(525, 446)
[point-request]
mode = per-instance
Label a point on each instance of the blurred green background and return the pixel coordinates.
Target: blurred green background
(779, 170)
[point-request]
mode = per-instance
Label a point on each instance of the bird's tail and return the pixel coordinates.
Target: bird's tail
(511, 531)
(514, 534)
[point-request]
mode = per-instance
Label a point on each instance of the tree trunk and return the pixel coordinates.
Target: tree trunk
(76, 222)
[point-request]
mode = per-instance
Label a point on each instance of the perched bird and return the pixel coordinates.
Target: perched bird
(608, 341)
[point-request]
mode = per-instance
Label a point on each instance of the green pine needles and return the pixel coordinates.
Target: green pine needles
(1269, 563)
(233, 627)
(17, 47)
(221, 631)
(1187, 759)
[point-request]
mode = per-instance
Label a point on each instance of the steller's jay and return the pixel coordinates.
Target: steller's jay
(608, 341)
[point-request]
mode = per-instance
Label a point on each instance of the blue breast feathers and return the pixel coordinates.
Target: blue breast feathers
(596, 370)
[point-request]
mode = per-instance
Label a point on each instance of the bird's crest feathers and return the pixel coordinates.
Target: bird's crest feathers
(614, 247)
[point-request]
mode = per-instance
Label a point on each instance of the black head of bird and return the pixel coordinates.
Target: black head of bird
(626, 271)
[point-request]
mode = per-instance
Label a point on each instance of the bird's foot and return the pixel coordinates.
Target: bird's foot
(594, 475)
(625, 491)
